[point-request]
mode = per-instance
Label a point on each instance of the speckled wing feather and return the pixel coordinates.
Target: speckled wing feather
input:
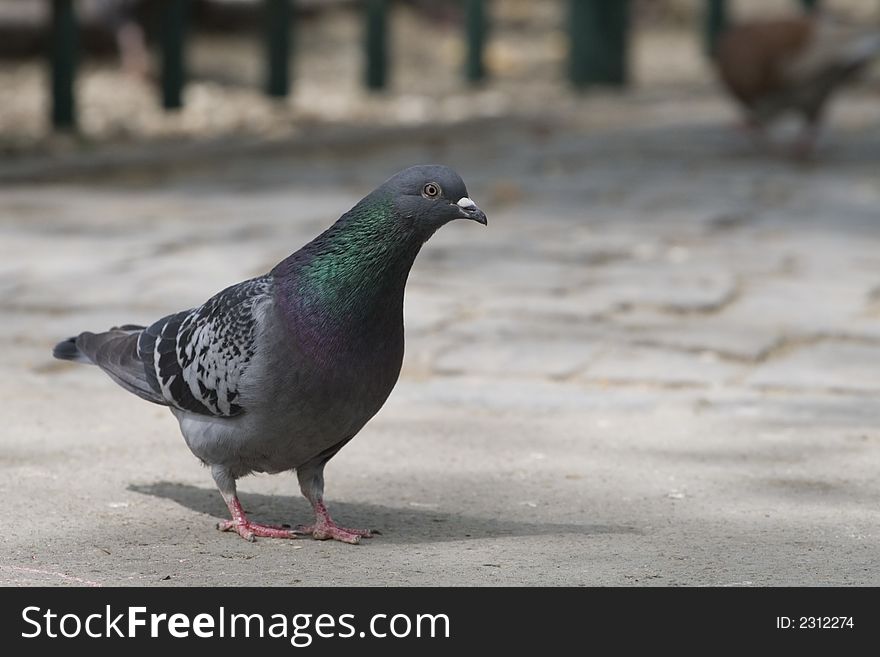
(195, 359)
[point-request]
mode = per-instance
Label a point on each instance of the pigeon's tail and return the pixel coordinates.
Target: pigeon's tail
(115, 352)
(67, 350)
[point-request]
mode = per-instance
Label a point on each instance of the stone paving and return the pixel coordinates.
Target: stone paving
(656, 366)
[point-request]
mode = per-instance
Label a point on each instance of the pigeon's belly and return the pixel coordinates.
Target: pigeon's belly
(287, 429)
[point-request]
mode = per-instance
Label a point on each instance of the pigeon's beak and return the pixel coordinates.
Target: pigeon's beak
(469, 210)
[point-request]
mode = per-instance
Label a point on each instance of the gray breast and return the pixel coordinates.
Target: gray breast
(297, 408)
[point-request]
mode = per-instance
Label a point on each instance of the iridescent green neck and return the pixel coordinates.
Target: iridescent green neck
(356, 268)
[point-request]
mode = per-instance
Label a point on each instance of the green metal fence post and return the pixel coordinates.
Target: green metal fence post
(279, 14)
(63, 58)
(581, 41)
(715, 22)
(174, 14)
(477, 26)
(598, 34)
(376, 44)
(615, 25)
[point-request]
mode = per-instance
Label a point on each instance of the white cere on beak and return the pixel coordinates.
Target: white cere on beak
(465, 202)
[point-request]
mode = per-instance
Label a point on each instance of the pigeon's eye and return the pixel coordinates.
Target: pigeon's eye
(431, 190)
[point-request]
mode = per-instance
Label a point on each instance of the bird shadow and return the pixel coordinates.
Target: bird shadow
(397, 525)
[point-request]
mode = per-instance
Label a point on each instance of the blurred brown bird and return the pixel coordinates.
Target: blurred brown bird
(792, 65)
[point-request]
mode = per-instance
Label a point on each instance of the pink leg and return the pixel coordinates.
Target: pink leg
(324, 528)
(805, 147)
(754, 131)
(249, 530)
(133, 50)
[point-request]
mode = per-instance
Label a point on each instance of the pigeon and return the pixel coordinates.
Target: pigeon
(792, 65)
(279, 372)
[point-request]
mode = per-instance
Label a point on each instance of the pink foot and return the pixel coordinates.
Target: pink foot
(324, 528)
(804, 149)
(753, 131)
(250, 530)
(323, 531)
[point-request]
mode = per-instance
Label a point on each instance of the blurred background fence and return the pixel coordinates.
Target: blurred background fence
(132, 68)
(597, 32)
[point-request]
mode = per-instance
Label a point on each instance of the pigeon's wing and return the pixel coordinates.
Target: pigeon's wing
(195, 359)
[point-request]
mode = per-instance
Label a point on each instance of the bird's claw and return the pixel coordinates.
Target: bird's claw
(249, 531)
(323, 531)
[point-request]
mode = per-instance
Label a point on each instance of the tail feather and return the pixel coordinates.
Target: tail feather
(67, 350)
(838, 50)
(115, 352)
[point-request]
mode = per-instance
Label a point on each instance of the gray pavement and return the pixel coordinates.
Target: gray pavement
(657, 366)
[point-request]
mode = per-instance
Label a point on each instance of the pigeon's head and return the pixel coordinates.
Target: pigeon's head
(429, 196)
